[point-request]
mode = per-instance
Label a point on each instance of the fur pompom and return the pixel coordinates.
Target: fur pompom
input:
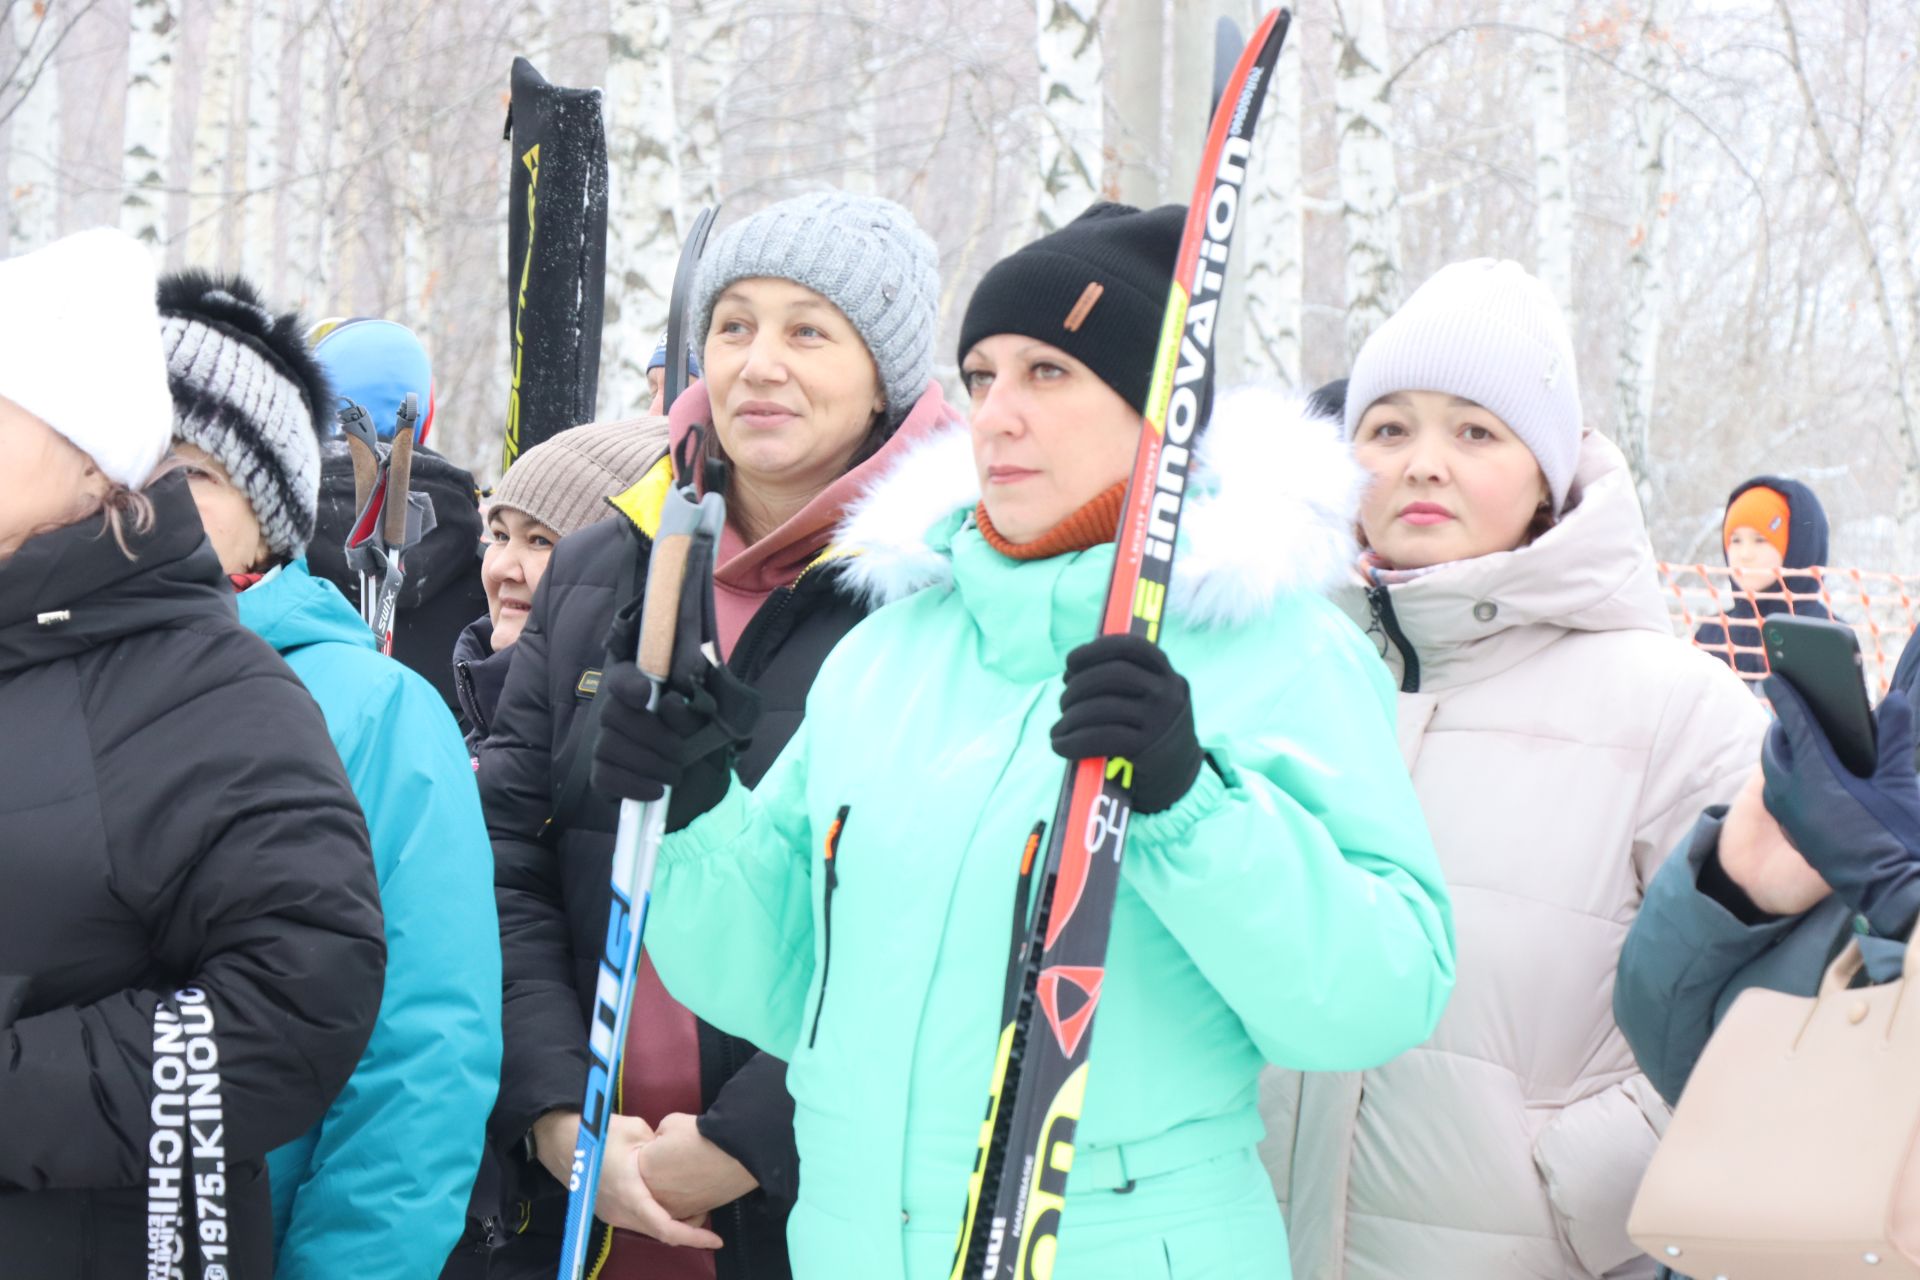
(232, 305)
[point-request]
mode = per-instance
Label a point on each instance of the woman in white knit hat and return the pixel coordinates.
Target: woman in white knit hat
(191, 910)
(1562, 742)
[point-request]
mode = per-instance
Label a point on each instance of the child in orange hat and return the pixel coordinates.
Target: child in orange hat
(1772, 525)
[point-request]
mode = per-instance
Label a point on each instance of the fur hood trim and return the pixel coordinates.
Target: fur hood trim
(1274, 500)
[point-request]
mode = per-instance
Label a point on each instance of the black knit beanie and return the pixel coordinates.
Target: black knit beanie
(1096, 289)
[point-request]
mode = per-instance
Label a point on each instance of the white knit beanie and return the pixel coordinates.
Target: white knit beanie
(80, 349)
(1486, 331)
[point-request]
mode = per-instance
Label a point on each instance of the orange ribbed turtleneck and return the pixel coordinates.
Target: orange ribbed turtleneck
(1090, 526)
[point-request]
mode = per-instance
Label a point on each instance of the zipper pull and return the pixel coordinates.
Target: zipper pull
(833, 845)
(1374, 627)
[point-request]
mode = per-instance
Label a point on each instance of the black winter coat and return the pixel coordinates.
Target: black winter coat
(173, 819)
(552, 885)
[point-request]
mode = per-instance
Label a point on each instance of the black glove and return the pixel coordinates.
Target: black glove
(687, 743)
(1861, 834)
(1123, 698)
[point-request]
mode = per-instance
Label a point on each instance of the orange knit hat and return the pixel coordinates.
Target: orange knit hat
(1763, 510)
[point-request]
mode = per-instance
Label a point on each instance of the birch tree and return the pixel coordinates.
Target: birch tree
(860, 172)
(1369, 195)
(210, 210)
(1887, 306)
(642, 244)
(1072, 110)
(1275, 261)
(1652, 197)
(33, 178)
(708, 56)
(1552, 156)
(265, 40)
(310, 213)
(151, 46)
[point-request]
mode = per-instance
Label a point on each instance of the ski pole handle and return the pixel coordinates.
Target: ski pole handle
(400, 474)
(358, 430)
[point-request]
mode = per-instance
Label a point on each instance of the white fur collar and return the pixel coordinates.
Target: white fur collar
(1272, 510)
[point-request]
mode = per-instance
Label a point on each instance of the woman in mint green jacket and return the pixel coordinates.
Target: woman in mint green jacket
(1279, 900)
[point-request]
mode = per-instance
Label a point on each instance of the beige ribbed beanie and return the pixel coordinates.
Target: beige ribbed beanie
(564, 482)
(1487, 331)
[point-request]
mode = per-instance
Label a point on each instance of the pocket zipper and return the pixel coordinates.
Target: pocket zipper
(826, 916)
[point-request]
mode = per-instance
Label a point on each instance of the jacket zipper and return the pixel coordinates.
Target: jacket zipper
(469, 700)
(1380, 600)
(826, 917)
(744, 654)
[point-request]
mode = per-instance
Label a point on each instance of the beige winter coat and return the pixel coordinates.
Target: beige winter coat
(1562, 742)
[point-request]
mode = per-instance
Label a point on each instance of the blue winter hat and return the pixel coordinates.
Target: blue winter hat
(659, 359)
(375, 364)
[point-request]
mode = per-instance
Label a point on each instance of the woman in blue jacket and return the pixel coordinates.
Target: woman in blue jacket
(379, 1188)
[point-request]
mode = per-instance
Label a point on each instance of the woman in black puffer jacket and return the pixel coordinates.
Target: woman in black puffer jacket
(191, 951)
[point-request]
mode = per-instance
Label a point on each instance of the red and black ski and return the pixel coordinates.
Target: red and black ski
(1018, 1190)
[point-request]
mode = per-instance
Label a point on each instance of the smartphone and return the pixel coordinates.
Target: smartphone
(1821, 659)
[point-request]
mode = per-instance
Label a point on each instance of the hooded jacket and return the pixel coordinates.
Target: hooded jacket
(552, 876)
(1561, 741)
(1735, 637)
(1288, 909)
(175, 820)
(379, 1187)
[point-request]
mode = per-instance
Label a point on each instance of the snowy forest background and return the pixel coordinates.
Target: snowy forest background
(1724, 192)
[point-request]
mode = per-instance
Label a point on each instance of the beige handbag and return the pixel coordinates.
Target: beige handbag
(1792, 1154)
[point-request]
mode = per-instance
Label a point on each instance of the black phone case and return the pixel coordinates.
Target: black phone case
(1822, 661)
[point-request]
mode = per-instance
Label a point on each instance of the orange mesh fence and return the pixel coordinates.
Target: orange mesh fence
(1881, 607)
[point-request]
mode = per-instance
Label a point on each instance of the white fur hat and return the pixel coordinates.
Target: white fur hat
(80, 349)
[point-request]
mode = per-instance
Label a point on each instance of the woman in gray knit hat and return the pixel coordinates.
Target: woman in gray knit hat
(816, 320)
(554, 489)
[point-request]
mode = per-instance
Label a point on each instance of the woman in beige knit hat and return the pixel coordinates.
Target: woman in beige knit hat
(556, 488)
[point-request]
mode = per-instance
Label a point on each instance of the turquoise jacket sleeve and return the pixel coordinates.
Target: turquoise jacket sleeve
(382, 1191)
(745, 862)
(1299, 875)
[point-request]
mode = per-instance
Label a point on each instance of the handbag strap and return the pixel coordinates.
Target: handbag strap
(1845, 967)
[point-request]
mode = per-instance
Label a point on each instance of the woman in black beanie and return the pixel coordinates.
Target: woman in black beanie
(1279, 899)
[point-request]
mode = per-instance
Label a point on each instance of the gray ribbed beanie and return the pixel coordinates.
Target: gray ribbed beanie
(564, 481)
(863, 254)
(1487, 331)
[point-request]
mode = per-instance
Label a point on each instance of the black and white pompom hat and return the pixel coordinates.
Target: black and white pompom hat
(248, 391)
